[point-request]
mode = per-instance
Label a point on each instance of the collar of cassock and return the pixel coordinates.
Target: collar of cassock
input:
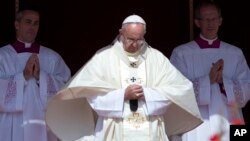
(21, 47)
(206, 43)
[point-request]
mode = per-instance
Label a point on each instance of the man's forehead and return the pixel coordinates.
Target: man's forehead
(30, 15)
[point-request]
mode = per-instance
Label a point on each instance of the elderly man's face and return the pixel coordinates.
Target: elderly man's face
(133, 37)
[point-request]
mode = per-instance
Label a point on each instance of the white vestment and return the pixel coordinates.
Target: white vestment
(195, 63)
(23, 103)
(169, 107)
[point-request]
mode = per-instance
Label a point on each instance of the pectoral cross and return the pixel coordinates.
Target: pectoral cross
(133, 79)
(133, 64)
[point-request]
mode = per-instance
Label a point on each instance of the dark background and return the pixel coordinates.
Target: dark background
(76, 29)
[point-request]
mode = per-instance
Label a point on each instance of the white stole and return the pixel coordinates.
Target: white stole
(136, 125)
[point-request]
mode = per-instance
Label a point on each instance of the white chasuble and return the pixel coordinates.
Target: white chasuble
(169, 107)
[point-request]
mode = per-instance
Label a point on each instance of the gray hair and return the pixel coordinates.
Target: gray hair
(206, 4)
(19, 14)
(126, 24)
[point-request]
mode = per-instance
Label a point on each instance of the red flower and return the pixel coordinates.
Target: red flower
(215, 137)
(237, 121)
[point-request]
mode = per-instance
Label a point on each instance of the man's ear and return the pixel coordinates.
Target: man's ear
(197, 23)
(221, 19)
(16, 24)
(121, 31)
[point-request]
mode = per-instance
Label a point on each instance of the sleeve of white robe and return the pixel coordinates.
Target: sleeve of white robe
(60, 74)
(237, 87)
(156, 103)
(54, 73)
(11, 94)
(202, 90)
(3, 85)
(108, 105)
(111, 104)
(201, 84)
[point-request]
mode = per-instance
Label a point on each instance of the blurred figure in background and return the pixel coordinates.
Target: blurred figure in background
(219, 72)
